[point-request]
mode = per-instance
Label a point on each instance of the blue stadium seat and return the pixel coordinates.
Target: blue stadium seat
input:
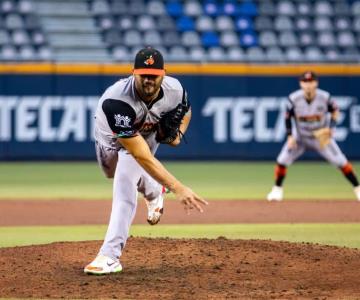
(174, 8)
(210, 39)
(244, 23)
(248, 39)
(212, 8)
(248, 8)
(185, 23)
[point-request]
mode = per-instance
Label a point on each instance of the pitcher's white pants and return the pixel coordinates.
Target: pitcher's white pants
(129, 178)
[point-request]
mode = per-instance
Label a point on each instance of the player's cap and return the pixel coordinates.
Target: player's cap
(308, 76)
(149, 61)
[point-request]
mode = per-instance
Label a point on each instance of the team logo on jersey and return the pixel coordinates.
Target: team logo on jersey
(149, 61)
(122, 121)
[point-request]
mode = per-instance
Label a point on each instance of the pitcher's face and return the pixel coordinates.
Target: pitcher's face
(148, 85)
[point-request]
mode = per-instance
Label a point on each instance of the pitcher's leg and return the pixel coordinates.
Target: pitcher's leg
(127, 176)
(107, 159)
(149, 187)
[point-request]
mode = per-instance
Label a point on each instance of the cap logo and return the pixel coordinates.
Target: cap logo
(149, 61)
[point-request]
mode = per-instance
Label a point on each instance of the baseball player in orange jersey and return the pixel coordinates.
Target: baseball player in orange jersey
(133, 116)
(310, 107)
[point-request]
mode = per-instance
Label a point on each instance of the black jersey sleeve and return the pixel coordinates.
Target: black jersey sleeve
(120, 117)
(290, 112)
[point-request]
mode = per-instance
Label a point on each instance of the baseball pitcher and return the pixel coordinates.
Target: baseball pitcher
(314, 114)
(133, 116)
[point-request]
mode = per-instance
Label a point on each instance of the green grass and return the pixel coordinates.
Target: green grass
(329, 234)
(212, 180)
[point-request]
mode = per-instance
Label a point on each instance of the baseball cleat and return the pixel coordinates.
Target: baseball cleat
(276, 194)
(155, 208)
(103, 265)
(357, 192)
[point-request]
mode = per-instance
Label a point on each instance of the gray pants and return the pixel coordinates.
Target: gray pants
(129, 179)
(331, 152)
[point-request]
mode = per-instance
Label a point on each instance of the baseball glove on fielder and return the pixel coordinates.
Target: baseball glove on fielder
(323, 135)
(169, 124)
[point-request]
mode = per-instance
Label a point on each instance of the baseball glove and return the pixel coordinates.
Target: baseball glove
(169, 124)
(323, 135)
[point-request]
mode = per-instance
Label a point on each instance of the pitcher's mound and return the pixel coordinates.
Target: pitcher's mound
(184, 269)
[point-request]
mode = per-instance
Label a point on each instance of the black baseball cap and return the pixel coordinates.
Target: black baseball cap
(149, 61)
(308, 76)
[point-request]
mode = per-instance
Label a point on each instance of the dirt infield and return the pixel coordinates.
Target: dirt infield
(184, 269)
(97, 212)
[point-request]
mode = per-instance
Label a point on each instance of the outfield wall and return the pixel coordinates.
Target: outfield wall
(46, 111)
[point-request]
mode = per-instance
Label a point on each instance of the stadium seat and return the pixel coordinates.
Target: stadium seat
(38, 38)
(204, 23)
(313, 54)
(165, 23)
(132, 38)
(185, 23)
(27, 53)
(342, 23)
(136, 8)
(263, 23)
(210, 39)
(7, 6)
(303, 23)
(14, 21)
(274, 54)
(156, 8)
(121, 53)
(211, 8)
(152, 38)
(100, 7)
(224, 23)
(171, 38)
(112, 38)
(229, 8)
(118, 8)
(322, 23)
(342, 8)
(248, 39)
(197, 54)
(228, 39)
(283, 23)
(255, 54)
(4, 37)
(346, 39)
(285, 7)
(174, 8)
(356, 24)
(106, 22)
(145, 22)
(306, 38)
(190, 39)
(216, 54)
(267, 8)
(177, 54)
(25, 7)
(126, 23)
(45, 53)
(294, 54)
(322, 7)
(326, 39)
(8, 53)
(304, 8)
(268, 38)
(20, 37)
(248, 8)
(244, 23)
(192, 8)
(287, 39)
(235, 54)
